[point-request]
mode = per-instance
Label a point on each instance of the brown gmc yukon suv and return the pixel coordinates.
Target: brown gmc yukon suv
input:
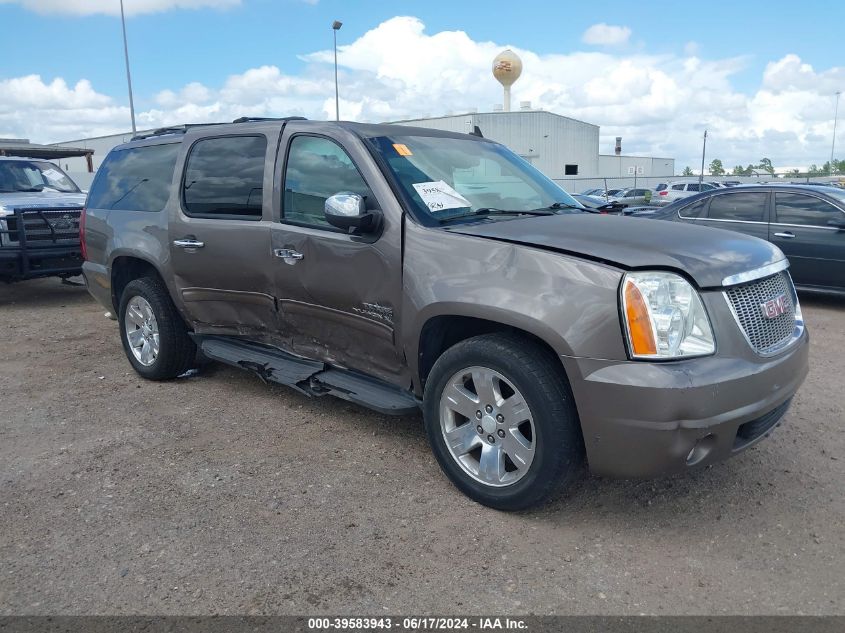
(403, 268)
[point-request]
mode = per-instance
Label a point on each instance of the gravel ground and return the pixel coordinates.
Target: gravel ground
(219, 494)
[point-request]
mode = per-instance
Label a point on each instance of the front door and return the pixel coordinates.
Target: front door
(816, 250)
(219, 240)
(339, 294)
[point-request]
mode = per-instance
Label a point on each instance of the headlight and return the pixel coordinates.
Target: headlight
(664, 317)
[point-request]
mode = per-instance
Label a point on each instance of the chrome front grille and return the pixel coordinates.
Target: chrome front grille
(766, 335)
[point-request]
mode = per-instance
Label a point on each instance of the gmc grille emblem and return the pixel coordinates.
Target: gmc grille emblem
(773, 308)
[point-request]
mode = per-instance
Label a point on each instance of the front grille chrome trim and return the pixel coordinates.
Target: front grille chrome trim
(757, 273)
(785, 342)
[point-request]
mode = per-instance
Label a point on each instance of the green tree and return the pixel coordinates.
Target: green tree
(687, 171)
(750, 170)
(814, 170)
(716, 168)
(766, 165)
(739, 170)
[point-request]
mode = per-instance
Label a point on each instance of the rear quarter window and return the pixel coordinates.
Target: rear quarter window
(135, 179)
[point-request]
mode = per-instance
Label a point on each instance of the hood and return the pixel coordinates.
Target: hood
(707, 255)
(29, 199)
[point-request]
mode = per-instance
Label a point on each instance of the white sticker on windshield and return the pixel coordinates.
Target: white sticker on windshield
(439, 196)
(53, 174)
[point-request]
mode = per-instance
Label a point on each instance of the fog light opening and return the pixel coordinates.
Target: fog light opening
(701, 449)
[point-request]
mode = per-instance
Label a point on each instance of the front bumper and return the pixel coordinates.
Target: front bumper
(647, 419)
(18, 264)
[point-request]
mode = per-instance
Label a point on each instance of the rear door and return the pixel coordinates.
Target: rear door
(339, 294)
(743, 211)
(220, 234)
(816, 251)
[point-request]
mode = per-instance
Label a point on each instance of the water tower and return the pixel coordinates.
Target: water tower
(507, 67)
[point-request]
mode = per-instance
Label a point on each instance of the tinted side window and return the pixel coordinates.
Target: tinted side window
(794, 208)
(317, 168)
(694, 210)
(136, 179)
(660, 187)
(745, 207)
(224, 177)
(693, 187)
(677, 187)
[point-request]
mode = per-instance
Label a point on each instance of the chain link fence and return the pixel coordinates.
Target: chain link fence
(577, 184)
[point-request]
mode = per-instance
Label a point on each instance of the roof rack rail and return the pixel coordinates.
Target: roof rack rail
(171, 129)
(251, 119)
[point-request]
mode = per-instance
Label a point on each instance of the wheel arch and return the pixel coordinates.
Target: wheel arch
(126, 267)
(441, 331)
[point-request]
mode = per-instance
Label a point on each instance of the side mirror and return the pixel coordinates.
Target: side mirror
(837, 224)
(348, 211)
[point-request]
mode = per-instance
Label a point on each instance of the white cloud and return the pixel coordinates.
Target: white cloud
(606, 35)
(112, 7)
(659, 104)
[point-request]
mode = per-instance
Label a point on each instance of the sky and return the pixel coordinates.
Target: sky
(760, 78)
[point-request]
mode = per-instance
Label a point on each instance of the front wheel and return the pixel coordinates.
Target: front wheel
(501, 421)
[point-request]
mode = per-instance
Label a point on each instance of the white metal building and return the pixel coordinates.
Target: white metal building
(561, 147)
(556, 145)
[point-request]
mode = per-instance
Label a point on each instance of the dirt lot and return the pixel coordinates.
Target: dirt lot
(219, 494)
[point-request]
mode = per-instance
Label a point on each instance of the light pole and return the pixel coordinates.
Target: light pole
(128, 76)
(703, 150)
(833, 143)
(335, 28)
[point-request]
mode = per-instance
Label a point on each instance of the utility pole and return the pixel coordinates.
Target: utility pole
(128, 76)
(335, 28)
(703, 150)
(833, 143)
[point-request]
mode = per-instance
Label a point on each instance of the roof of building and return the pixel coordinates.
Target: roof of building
(495, 113)
(22, 148)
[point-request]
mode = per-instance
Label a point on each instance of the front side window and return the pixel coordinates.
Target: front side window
(135, 179)
(317, 169)
(693, 187)
(224, 178)
(445, 178)
(796, 208)
(741, 207)
(32, 176)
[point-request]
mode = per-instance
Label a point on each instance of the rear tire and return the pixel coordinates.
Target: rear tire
(504, 404)
(153, 333)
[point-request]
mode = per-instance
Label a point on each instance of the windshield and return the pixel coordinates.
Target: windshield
(446, 178)
(30, 175)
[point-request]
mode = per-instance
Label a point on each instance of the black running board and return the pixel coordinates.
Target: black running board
(310, 377)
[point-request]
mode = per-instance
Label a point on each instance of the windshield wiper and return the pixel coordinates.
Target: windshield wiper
(494, 211)
(488, 211)
(35, 189)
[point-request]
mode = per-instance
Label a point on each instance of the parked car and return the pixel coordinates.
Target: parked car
(405, 268)
(678, 190)
(40, 209)
(632, 196)
(806, 222)
(593, 192)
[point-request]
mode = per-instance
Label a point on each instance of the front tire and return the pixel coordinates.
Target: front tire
(501, 421)
(153, 334)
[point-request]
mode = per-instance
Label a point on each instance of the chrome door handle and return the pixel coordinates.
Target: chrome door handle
(288, 254)
(786, 234)
(186, 243)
